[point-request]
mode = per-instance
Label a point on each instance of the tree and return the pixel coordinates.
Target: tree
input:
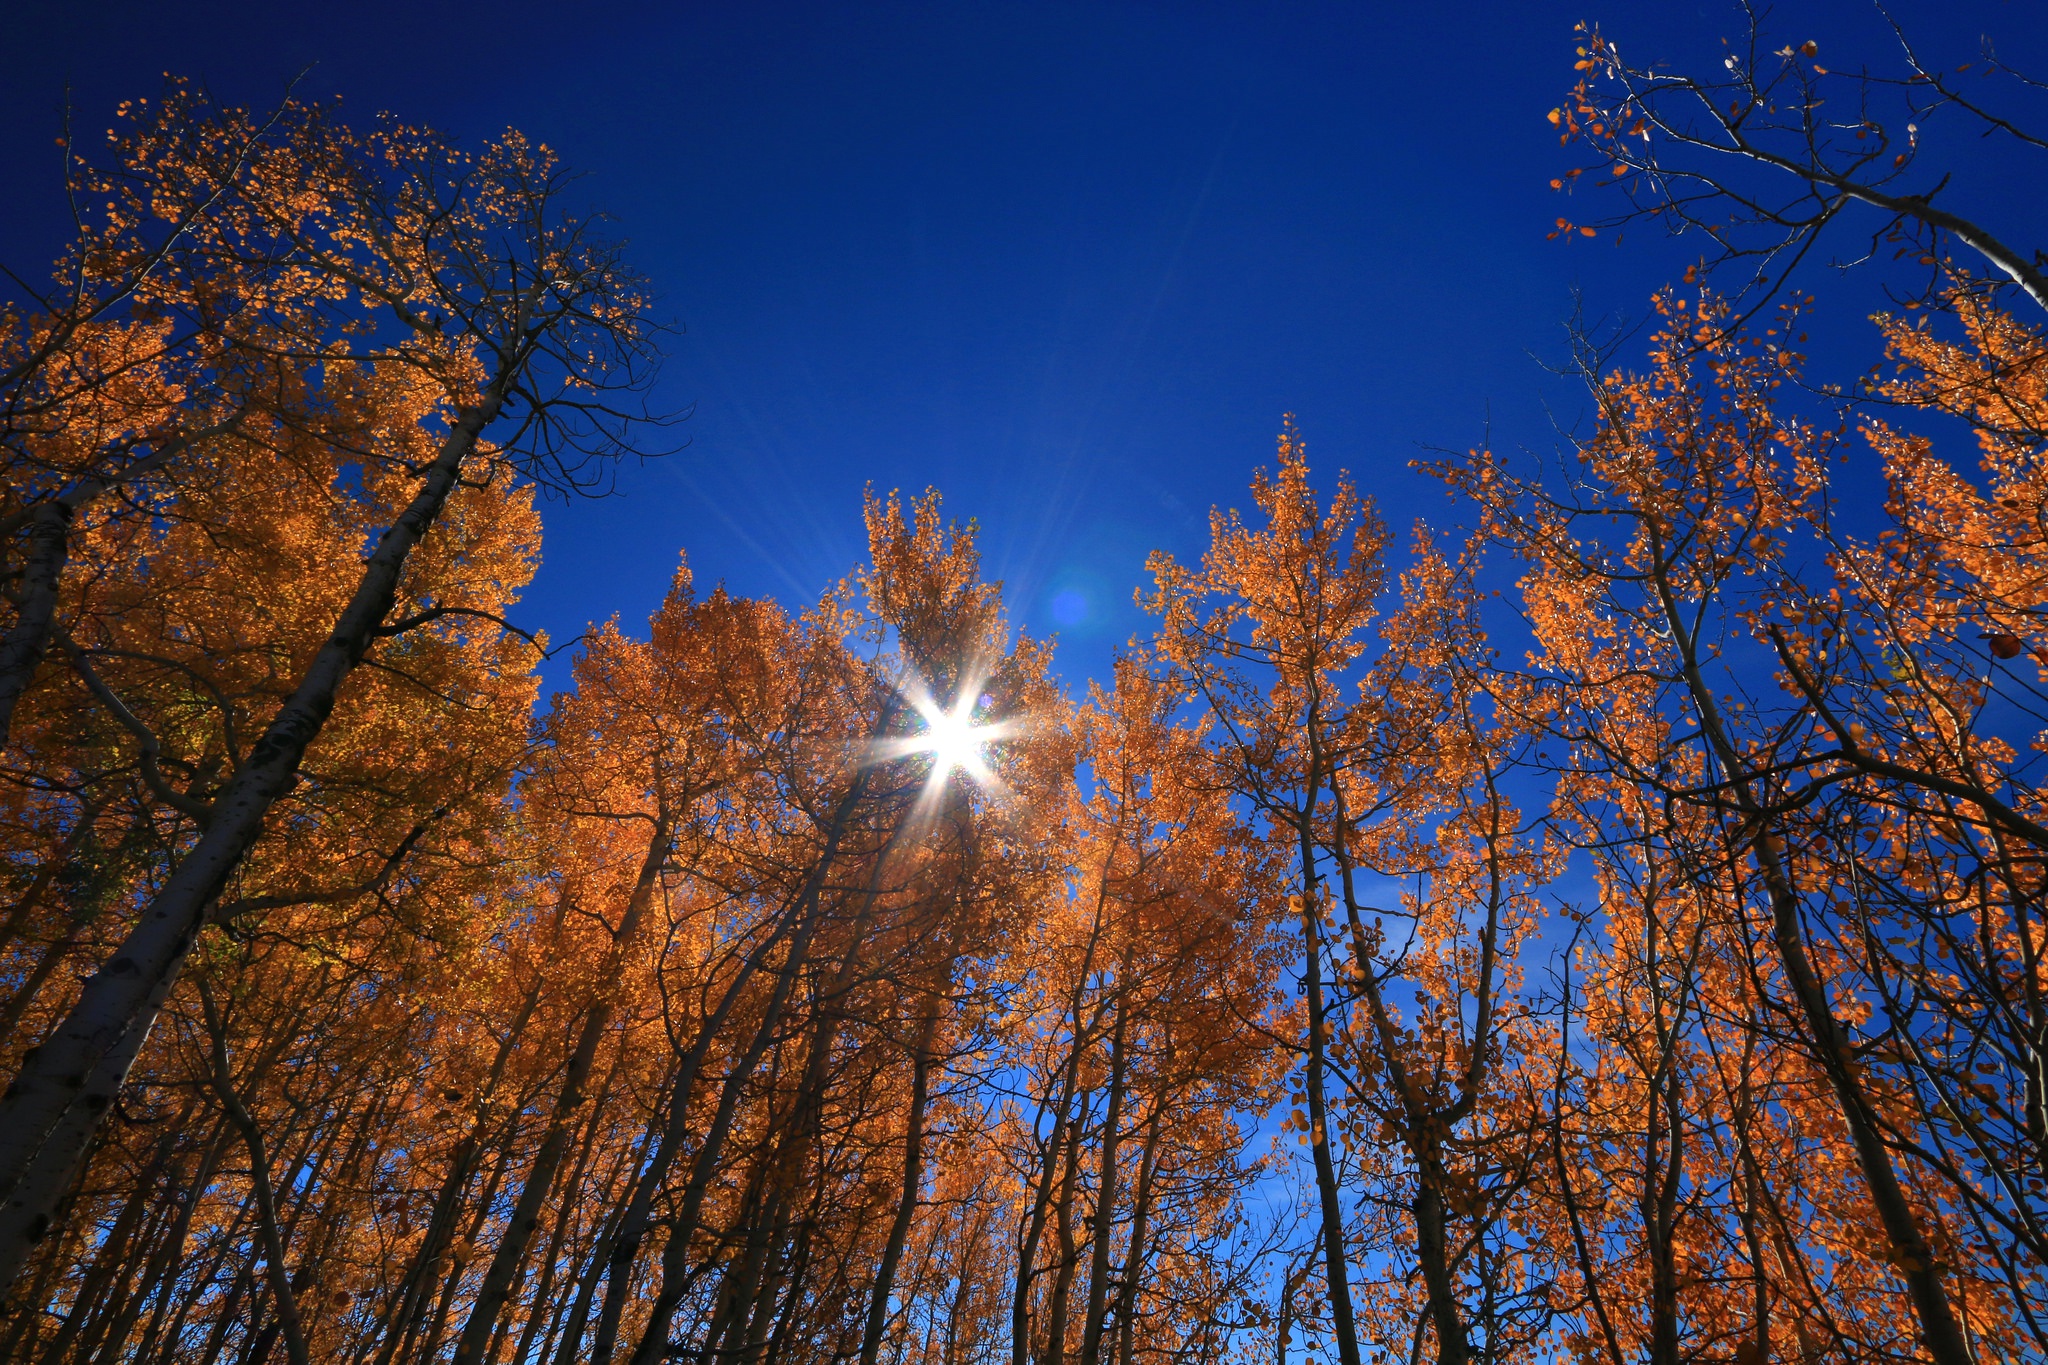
(1762, 156)
(1270, 661)
(506, 306)
(1681, 656)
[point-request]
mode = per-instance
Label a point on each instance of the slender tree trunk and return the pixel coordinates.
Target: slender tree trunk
(799, 919)
(451, 1284)
(173, 1335)
(675, 1256)
(675, 1267)
(565, 1215)
(1662, 1158)
(1911, 1252)
(617, 1255)
(569, 1346)
(1754, 1232)
(225, 1317)
(1914, 1256)
(769, 1297)
(284, 1301)
(1034, 1233)
(164, 1274)
(1027, 1254)
(107, 1269)
(792, 1304)
(1134, 1258)
(1433, 1254)
(791, 1157)
(554, 1145)
(562, 1338)
(743, 1233)
(24, 997)
(166, 1241)
(26, 642)
(727, 1339)
(1334, 1264)
(82, 911)
(1105, 1195)
(963, 1287)
(1070, 1254)
(103, 1340)
(396, 1325)
(50, 1113)
(913, 1181)
(30, 1308)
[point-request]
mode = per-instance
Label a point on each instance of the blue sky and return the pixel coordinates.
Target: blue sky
(1069, 263)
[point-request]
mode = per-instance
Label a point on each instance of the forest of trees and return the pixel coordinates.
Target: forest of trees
(1608, 925)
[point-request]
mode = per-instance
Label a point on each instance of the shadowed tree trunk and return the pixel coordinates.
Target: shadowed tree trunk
(913, 1180)
(56, 1103)
(554, 1146)
(1141, 1221)
(1070, 1254)
(1105, 1194)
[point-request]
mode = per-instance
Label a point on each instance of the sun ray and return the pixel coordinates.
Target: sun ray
(953, 739)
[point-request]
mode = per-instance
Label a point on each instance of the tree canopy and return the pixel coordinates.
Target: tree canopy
(1603, 923)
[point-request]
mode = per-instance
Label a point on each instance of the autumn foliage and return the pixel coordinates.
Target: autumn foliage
(1605, 925)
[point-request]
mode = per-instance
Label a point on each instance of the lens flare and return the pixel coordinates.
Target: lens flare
(954, 741)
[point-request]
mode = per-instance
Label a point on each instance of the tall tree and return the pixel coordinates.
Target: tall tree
(503, 305)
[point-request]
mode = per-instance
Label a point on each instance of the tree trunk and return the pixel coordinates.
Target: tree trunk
(55, 1105)
(26, 642)
(1105, 1198)
(913, 1181)
(451, 1283)
(1911, 1252)
(727, 1338)
(1910, 1249)
(1134, 1258)
(569, 1346)
(173, 1335)
(448, 1199)
(1433, 1254)
(554, 1146)
(799, 918)
(675, 1256)
(1334, 1264)
(792, 1304)
(1034, 1233)
(565, 1212)
(1063, 1278)
(106, 1270)
(163, 1280)
(1027, 1255)
(284, 1301)
(785, 1170)
(675, 1268)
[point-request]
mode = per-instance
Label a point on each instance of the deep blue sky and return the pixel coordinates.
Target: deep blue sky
(1068, 262)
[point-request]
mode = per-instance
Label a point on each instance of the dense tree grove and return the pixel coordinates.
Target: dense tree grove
(1607, 925)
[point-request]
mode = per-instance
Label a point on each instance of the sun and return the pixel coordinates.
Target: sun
(953, 740)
